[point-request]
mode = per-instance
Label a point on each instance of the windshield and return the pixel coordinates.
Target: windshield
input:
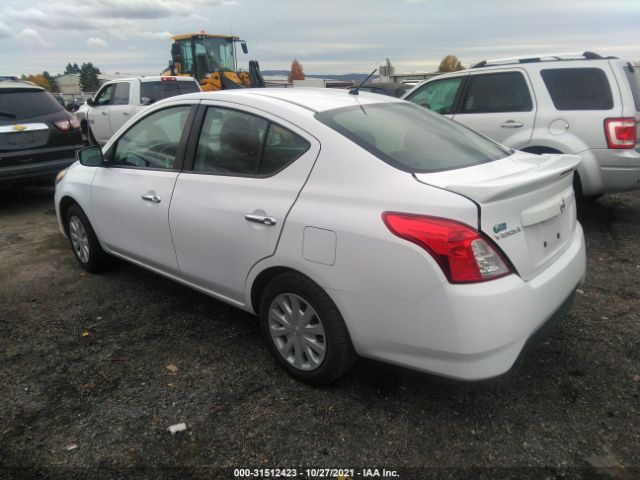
(208, 54)
(412, 138)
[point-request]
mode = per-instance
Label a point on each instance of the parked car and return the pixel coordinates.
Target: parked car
(386, 88)
(75, 103)
(38, 138)
(582, 104)
(349, 224)
(119, 100)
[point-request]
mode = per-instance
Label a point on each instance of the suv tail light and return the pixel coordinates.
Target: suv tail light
(67, 124)
(620, 132)
(464, 255)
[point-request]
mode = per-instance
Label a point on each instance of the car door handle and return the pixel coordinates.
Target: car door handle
(105, 113)
(150, 197)
(260, 219)
(125, 113)
(511, 124)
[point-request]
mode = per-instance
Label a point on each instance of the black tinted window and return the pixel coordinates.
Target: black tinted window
(634, 82)
(497, 92)
(578, 88)
(155, 91)
(18, 104)
(153, 141)
(412, 138)
(121, 96)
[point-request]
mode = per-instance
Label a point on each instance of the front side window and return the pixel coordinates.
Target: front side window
(439, 96)
(578, 88)
(497, 92)
(105, 95)
(121, 96)
(240, 144)
(412, 138)
(153, 142)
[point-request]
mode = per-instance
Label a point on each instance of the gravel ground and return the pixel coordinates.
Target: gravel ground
(83, 363)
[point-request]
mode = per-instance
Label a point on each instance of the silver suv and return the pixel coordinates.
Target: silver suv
(579, 103)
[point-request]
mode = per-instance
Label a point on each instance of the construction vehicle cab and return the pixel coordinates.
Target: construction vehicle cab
(210, 59)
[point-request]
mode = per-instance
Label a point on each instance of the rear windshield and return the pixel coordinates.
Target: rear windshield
(578, 88)
(634, 82)
(412, 138)
(20, 104)
(164, 89)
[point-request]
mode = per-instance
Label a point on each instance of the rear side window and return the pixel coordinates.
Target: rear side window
(439, 96)
(21, 103)
(412, 138)
(155, 91)
(237, 143)
(634, 83)
(121, 96)
(578, 88)
(497, 92)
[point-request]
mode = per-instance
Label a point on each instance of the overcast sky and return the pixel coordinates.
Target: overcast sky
(326, 36)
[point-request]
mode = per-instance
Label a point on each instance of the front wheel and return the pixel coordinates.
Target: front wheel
(83, 240)
(305, 330)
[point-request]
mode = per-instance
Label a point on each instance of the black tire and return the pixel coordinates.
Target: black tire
(339, 354)
(96, 259)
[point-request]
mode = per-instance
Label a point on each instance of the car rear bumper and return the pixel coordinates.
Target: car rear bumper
(35, 169)
(468, 332)
(610, 170)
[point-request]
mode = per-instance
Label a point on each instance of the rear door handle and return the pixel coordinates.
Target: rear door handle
(150, 197)
(260, 219)
(105, 113)
(511, 124)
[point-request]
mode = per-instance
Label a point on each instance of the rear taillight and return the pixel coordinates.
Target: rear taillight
(67, 124)
(464, 255)
(620, 132)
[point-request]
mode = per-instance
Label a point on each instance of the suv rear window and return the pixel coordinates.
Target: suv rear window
(164, 89)
(578, 88)
(634, 82)
(16, 104)
(412, 138)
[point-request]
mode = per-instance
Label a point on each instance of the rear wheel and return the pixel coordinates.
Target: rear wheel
(83, 240)
(305, 330)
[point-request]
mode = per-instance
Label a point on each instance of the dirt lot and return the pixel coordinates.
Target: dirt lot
(83, 361)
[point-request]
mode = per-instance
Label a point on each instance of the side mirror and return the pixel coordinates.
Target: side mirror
(90, 156)
(244, 47)
(90, 102)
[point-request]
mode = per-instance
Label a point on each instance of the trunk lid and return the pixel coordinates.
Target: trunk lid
(526, 205)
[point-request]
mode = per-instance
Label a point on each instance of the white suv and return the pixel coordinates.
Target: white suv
(579, 103)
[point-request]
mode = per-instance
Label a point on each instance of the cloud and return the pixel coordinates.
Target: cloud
(5, 31)
(32, 35)
(97, 43)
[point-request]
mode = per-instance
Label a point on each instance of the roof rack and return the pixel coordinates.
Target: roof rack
(546, 57)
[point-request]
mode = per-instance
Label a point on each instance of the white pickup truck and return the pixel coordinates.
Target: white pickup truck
(119, 100)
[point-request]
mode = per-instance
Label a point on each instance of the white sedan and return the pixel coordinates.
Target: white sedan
(350, 224)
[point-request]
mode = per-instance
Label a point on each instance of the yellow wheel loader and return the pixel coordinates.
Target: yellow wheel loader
(211, 59)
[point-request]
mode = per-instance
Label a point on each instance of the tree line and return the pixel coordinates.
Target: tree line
(88, 80)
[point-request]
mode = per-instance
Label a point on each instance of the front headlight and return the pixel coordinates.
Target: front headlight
(61, 175)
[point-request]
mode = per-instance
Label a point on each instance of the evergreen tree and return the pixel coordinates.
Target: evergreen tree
(89, 77)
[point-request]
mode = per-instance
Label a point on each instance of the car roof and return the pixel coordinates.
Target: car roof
(314, 99)
(19, 84)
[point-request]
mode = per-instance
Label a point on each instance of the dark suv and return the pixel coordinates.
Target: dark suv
(38, 137)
